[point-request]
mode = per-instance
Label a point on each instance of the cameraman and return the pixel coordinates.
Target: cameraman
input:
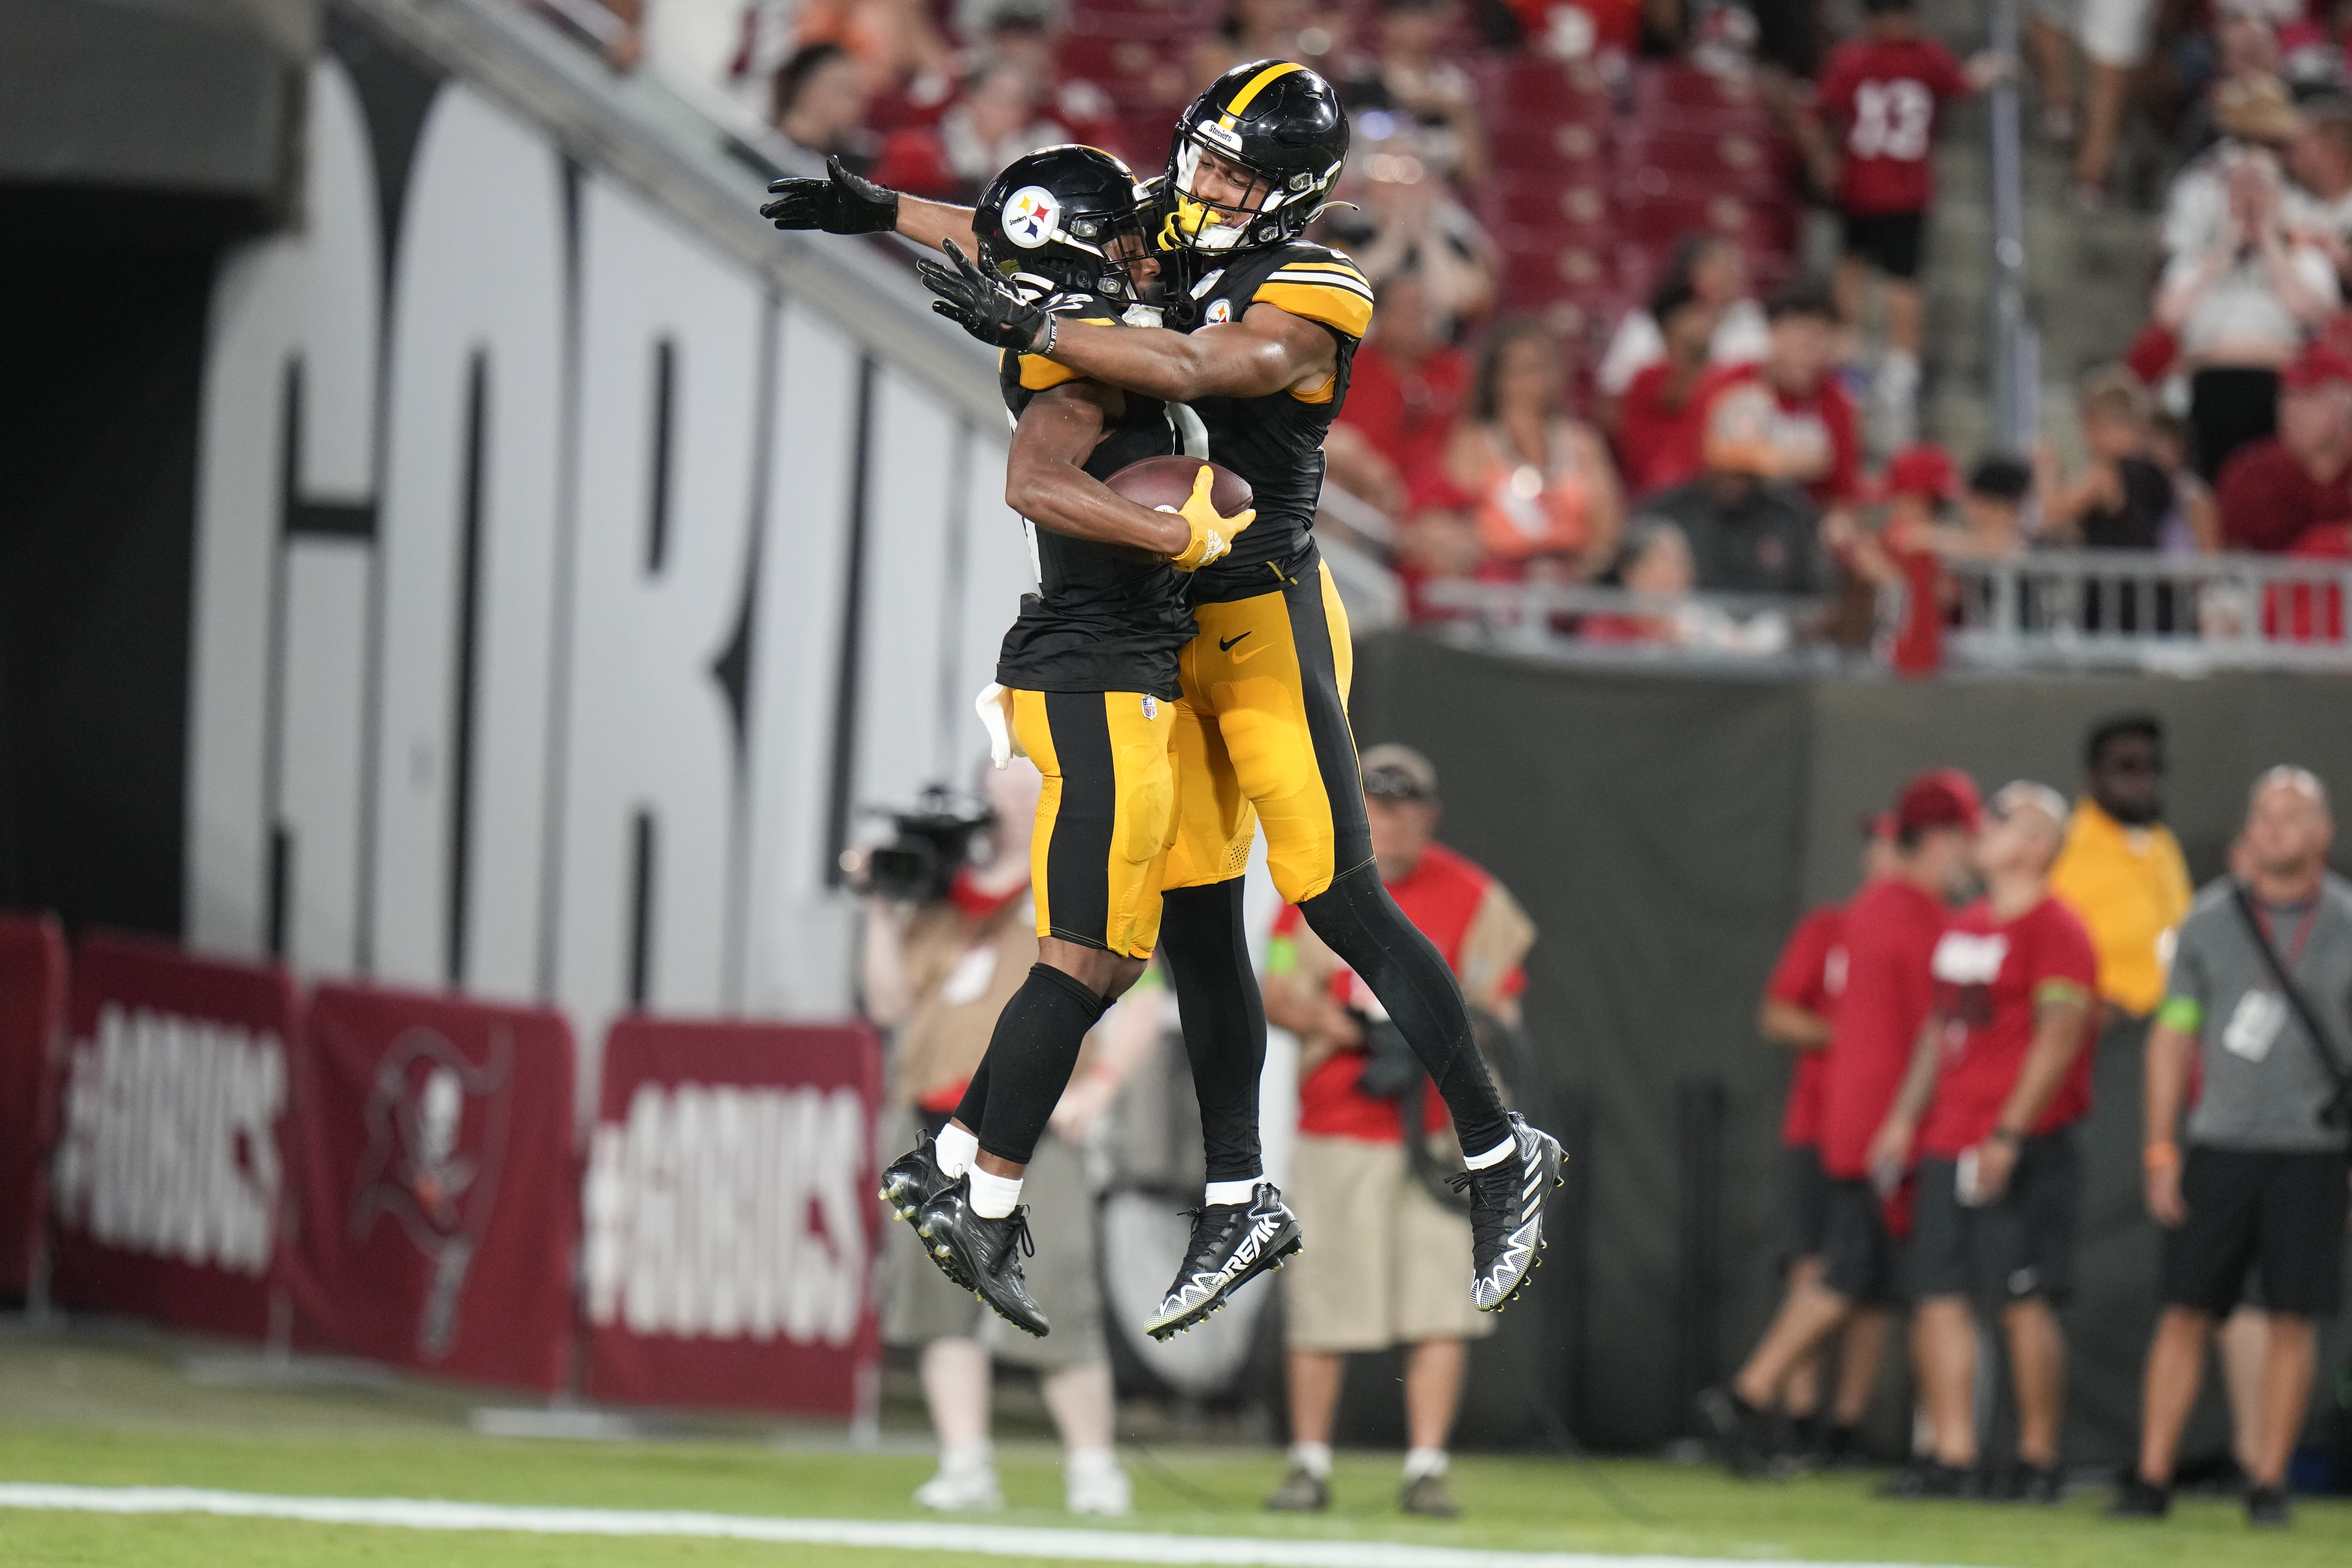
(937, 972)
(2261, 1186)
(1385, 1266)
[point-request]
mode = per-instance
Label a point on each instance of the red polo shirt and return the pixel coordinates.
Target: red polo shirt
(1441, 896)
(1989, 978)
(1890, 931)
(1811, 975)
(2267, 499)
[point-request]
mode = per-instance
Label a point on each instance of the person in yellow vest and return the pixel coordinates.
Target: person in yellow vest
(2122, 870)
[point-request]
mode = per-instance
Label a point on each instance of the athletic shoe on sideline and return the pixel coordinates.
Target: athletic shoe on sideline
(961, 1489)
(1739, 1433)
(1231, 1245)
(987, 1252)
(1428, 1497)
(1092, 1484)
(2267, 1508)
(1507, 1199)
(1301, 1492)
(2137, 1499)
(1931, 1480)
(2041, 1485)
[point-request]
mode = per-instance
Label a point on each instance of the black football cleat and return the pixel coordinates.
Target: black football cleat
(1231, 1245)
(983, 1254)
(914, 1178)
(1506, 1201)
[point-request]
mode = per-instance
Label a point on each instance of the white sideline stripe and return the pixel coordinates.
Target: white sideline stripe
(984, 1539)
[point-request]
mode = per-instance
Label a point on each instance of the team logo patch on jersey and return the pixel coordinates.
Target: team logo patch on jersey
(1150, 706)
(1220, 312)
(1031, 216)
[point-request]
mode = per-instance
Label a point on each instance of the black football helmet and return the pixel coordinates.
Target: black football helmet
(1063, 217)
(1282, 124)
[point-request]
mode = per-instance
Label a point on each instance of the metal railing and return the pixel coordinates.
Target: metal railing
(2050, 610)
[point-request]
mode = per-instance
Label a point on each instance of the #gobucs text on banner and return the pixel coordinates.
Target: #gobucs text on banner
(435, 1163)
(32, 1013)
(168, 1179)
(730, 1220)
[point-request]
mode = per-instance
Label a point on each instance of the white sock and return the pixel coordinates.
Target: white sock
(993, 1196)
(1495, 1156)
(1315, 1459)
(955, 1150)
(1239, 1192)
(966, 1458)
(1420, 1462)
(1090, 1461)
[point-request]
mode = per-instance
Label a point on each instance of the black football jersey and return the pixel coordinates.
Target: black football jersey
(1276, 442)
(1106, 618)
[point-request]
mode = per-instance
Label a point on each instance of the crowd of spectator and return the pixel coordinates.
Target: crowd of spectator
(1944, 1069)
(1595, 363)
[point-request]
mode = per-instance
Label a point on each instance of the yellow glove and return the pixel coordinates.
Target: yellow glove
(1212, 535)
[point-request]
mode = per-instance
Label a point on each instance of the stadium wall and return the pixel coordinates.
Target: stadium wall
(1664, 833)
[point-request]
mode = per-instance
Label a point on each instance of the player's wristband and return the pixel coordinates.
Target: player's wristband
(2163, 1156)
(1044, 349)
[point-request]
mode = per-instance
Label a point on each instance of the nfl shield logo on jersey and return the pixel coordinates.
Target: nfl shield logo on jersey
(1031, 216)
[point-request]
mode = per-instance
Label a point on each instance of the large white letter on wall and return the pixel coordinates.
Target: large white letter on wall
(468, 523)
(310, 299)
(668, 402)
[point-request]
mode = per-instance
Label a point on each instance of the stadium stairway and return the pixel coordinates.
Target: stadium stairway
(2087, 274)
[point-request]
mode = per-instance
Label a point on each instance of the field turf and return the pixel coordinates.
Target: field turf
(124, 1409)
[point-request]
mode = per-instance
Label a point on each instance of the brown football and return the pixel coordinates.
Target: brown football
(1168, 482)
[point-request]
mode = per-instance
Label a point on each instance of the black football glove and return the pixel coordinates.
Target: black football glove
(845, 204)
(987, 308)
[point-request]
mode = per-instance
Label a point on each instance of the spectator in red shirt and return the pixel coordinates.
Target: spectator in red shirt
(2274, 492)
(1881, 92)
(1799, 1001)
(1405, 393)
(1661, 419)
(1387, 1264)
(1817, 438)
(1891, 932)
(1996, 1081)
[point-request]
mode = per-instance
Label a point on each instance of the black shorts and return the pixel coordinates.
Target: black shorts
(1857, 1254)
(1804, 1204)
(2278, 1215)
(2019, 1248)
(1888, 241)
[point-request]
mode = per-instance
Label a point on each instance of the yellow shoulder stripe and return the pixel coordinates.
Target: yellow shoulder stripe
(1256, 85)
(1332, 305)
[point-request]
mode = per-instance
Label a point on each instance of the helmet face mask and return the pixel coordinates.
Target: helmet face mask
(1253, 161)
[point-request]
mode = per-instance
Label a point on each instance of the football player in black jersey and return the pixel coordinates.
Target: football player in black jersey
(1087, 686)
(1261, 350)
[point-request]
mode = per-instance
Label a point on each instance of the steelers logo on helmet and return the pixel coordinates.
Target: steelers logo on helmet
(1031, 216)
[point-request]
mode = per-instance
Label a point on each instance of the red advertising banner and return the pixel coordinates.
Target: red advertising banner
(435, 1166)
(168, 1183)
(730, 1220)
(32, 1015)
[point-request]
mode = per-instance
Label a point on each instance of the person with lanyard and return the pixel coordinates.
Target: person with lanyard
(2261, 1000)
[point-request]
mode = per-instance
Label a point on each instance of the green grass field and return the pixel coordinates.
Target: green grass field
(119, 1410)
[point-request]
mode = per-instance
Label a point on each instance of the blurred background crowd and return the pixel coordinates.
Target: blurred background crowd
(1660, 309)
